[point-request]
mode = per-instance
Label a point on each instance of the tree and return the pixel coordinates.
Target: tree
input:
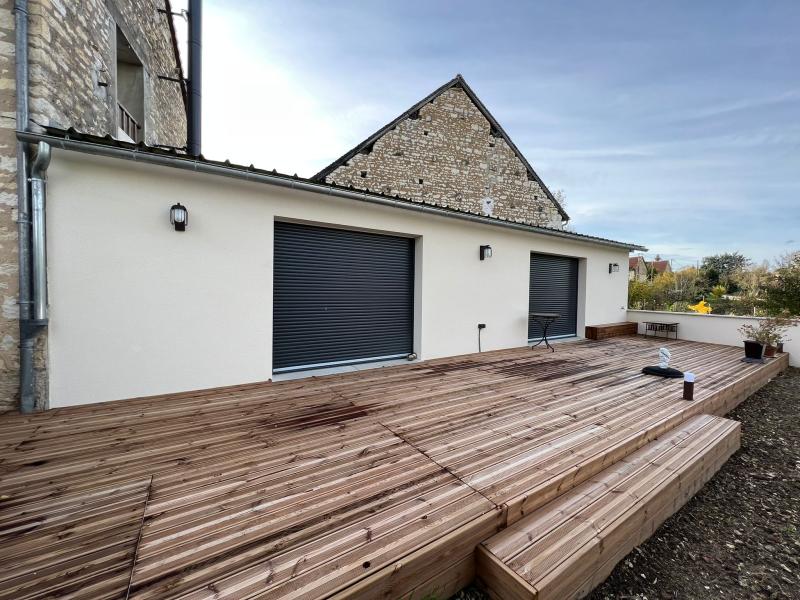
(561, 198)
(639, 294)
(723, 269)
(753, 280)
(687, 283)
(782, 292)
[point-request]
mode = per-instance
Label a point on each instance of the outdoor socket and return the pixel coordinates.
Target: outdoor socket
(688, 386)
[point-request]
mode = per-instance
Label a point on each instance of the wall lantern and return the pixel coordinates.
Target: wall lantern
(486, 252)
(613, 267)
(179, 216)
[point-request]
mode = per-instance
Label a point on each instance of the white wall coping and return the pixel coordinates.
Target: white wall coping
(716, 329)
(692, 314)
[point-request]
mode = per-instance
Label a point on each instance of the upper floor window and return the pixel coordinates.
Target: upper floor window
(130, 91)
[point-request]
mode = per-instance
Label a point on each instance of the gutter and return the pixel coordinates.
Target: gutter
(199, 165)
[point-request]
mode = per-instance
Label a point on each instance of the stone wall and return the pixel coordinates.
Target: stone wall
(72, 56)
(448, 156)
(9, 311)
(73, 65)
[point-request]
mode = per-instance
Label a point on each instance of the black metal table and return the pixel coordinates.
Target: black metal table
(658, 326)
(544, 320)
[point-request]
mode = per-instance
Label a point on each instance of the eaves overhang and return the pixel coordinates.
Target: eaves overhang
(107, 146)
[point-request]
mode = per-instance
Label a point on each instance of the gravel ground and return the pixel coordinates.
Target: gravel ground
(739, 537)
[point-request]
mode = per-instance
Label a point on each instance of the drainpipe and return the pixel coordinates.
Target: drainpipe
(27, 332)
(38, 240)
(33, 319)
(194, 117)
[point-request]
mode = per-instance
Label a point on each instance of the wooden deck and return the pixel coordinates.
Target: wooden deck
(373, 484)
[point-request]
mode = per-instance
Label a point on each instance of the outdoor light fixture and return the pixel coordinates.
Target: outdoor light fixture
(613, 267)
(486, 252)
(179, 216)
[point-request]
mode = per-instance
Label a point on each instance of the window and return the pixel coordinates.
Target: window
(130, 91)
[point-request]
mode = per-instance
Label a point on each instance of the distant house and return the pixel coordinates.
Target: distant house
(658, 266)
(637, 268)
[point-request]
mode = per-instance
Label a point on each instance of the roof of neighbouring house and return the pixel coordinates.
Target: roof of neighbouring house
(633, 261)
(77, 141)
(457, 82)
(659, 266)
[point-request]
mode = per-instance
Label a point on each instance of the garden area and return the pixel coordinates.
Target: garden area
(724, 284)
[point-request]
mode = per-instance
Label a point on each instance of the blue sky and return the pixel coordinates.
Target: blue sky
(672, 124)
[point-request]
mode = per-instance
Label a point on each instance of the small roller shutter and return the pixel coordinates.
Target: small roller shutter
(554, 289)
(340, 297)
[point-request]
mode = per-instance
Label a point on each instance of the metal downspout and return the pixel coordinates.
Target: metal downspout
(195, 113)
(38, 238)
(27, 332)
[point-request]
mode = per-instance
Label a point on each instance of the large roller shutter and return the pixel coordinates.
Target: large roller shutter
(554, 289)
(340, 297)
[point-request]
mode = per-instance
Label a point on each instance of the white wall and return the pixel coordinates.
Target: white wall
(139, 309)
(715, 329)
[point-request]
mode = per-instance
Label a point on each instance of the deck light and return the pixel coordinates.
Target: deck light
(613, 267)
(486, 252)
(179, 216)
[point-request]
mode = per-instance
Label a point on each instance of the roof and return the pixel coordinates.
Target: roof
(659, 266)
(77, 141)
(497, 130)
(633, 261)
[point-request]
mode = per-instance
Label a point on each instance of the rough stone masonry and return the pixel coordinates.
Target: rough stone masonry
(72, 57)
(447, 155)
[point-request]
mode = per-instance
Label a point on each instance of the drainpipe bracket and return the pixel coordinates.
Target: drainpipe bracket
(33, 326)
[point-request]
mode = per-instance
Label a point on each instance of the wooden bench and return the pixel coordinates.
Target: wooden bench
(609, 330)
(570, 545)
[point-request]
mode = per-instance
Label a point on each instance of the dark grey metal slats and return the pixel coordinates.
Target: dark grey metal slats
(554, 289)
(340, 296)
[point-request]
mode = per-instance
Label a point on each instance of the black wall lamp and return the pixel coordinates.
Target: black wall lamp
(179, 216)
(613, 267)
(486, 252)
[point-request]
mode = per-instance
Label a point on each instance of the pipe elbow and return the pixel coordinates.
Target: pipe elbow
(41, 162)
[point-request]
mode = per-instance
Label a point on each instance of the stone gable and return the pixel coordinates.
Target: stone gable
(448, 155)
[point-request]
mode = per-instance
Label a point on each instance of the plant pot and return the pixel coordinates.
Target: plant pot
(754, 350)
(769, 351)
(780, 347)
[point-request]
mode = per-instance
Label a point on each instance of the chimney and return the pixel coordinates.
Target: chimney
(194, 118)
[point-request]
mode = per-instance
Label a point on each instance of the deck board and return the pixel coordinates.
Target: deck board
(374, 483)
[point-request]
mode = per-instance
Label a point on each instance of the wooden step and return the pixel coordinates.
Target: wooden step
(570, 545)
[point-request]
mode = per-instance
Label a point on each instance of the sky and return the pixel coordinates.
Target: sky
(675, 125)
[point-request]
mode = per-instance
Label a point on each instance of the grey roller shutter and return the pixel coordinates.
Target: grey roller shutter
(554, 289)
(340, 297)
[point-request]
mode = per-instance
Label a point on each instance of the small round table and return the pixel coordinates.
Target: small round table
(544, 320)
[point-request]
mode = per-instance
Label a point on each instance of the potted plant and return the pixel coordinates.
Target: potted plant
(771, 347)
(754, 342)
(778, 326)
(766, 338)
